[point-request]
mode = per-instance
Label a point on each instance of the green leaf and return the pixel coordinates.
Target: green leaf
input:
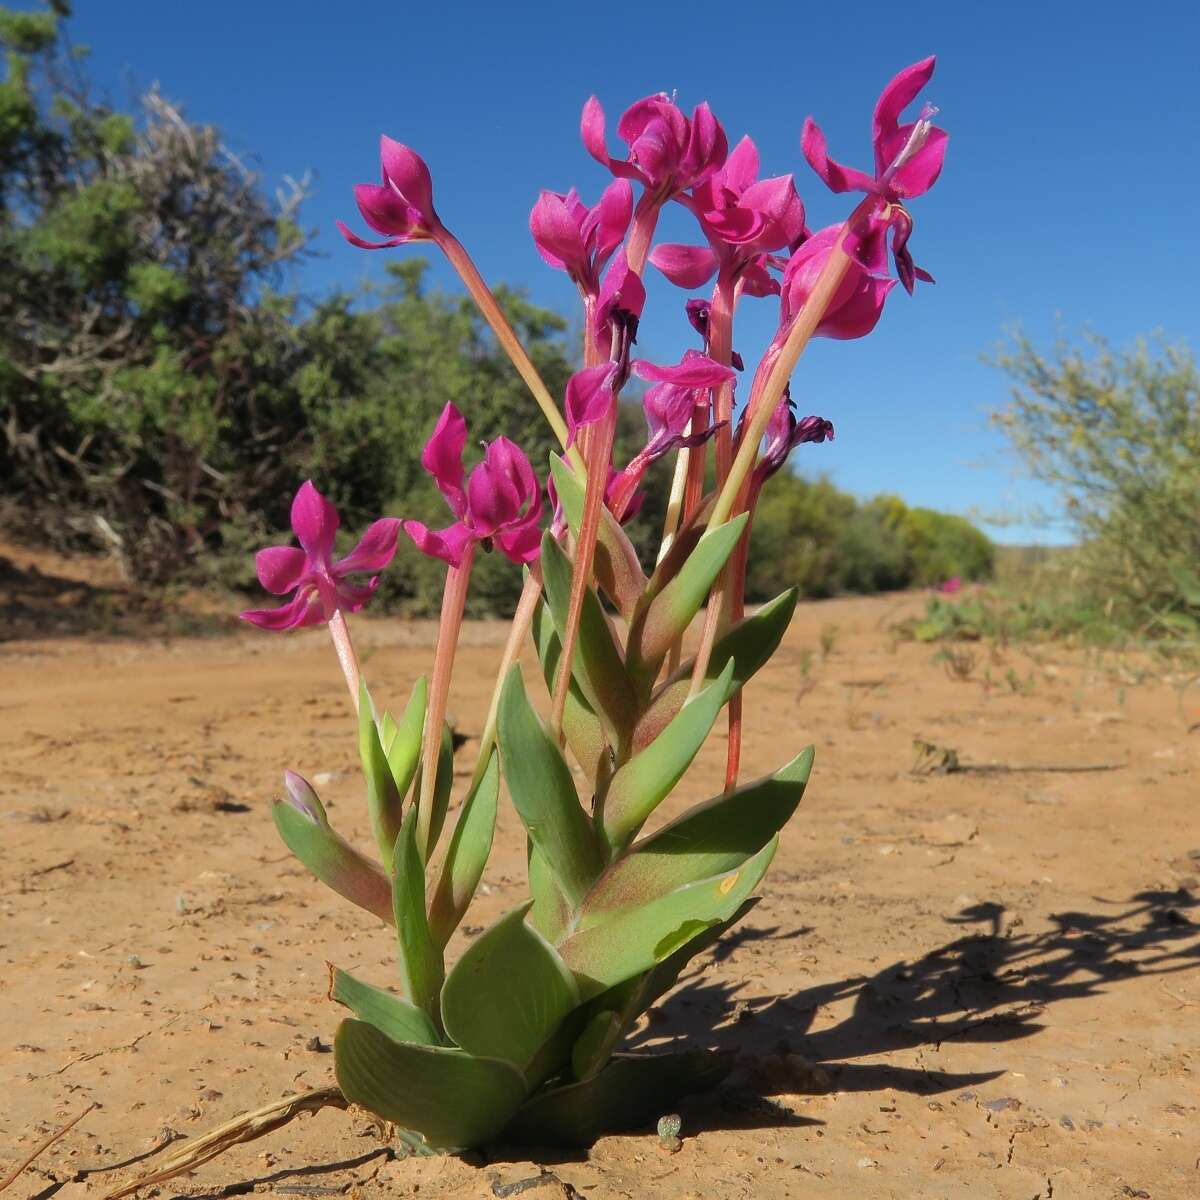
(714, 837)
(454, 1100)
(669, 614)
(583, 730)
(550, 914)
(634, 940)
(594, 1046)
(384, 800)
(598, 664)
(442, 788)
(390, 1014)
(627, 1001)
(421, 967)
(630, 1093)
(616, 565)
(749, 645)
(467, 855)
(334, 861)
(404, 746)
(543, 794)
(508, 992)
(642, 783)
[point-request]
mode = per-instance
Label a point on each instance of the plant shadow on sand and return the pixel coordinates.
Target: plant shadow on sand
(988, 986)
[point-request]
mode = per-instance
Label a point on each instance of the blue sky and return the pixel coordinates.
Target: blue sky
(1067, 200)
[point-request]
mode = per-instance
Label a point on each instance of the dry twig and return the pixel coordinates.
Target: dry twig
(45, 1144)
(246, 1128)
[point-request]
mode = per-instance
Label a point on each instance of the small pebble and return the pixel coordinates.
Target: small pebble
(865, 1163)
(1066, 1122)
(1002, 1104)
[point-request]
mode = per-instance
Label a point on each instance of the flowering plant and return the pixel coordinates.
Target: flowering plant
(519, 1039)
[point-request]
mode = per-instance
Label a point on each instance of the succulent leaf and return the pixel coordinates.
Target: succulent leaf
(667, 616)
(421, 968)
(508, 992)
(713, 837)
(390, 1014)
(642, 783)
(630, 1093)
(453, 1099)
(598, 666)
(616, 565)
(334, 861)
(467, 854)
(384, 799)
(543, 793)
(583, 729)
(749, 645)
(631, 941)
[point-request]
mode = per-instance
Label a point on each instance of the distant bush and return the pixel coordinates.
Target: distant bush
(810, 534)
(1118, 433)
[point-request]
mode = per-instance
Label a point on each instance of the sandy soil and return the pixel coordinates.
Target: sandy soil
(995, 973)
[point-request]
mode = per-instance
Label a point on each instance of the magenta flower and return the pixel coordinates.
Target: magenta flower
(699, 312)
(858, 302)
(622, 290)
(908, 158)
(579, 240)
(590, 397)
(679, 392)
(694, 370)
(743, 218)
(948, 587)
(667, 152)
(320, 583)
(784, 433)
(500, 504)
(402, 207)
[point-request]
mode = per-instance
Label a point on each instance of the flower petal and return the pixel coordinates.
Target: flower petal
(899, 93)
(363, 244)
(614, 212)
(406, 171)
(522, 542)
(589, 396)
(447, 544)
(685, 266)
(384, 211)
(837, 177)
(314, 521)
(556, 234)
(305, 609)
(591, 130)
(741, 167)
(280, 569)
(694, 370)
(374, 550)
(920, 173)
(442, 457)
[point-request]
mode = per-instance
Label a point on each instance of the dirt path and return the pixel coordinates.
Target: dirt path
(998, 974)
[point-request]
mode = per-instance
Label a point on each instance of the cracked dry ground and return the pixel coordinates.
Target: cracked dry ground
(983, 984)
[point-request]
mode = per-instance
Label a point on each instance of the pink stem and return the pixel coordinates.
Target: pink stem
(343, 647)
(454, 602)
(461, 261)
(522, 619)
(599, 451)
